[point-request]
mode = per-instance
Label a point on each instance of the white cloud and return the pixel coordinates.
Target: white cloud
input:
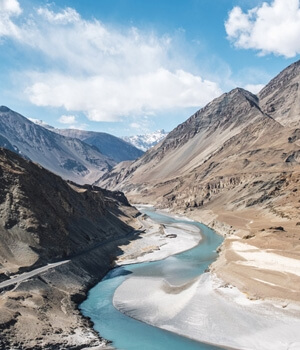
(108, 98)
(269, 28)
(68, 15)
(254, 88)
(67, 119)
(106, 72)
(8, 9)
(11, 7)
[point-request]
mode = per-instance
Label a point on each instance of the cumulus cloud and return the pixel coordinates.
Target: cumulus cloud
(67, 119)
(106, 72)
(11, 7)
(269, 28)
(108, 98)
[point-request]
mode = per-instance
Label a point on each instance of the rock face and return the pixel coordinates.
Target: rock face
(45, 219)
(109, 145)
(235, 166)
(50, 218)
(68, 157)
(235, 140)
(194, 141)
(281, 97)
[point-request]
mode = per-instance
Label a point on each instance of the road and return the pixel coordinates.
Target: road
(26, 275)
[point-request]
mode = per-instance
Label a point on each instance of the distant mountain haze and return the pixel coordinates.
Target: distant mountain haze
(80, 156)
(109, 145)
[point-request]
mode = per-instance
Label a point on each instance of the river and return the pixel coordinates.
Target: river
(129, 334)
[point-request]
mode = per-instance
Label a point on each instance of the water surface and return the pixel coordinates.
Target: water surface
(129, 334)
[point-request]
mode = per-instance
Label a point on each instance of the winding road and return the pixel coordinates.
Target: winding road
(26, 275)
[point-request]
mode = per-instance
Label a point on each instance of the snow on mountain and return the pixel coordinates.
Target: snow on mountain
(144, 142)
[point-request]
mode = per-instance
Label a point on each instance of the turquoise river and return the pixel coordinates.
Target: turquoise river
(129, 334)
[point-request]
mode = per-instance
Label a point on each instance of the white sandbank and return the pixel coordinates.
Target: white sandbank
(159, 242)
(265, 259)
(206, 309)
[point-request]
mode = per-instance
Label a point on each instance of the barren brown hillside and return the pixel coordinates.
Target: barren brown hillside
(234, 165)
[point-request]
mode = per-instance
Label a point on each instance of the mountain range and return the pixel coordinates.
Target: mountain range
(109, 145)
(234, 165)
(80, 156)
(237, 133)
(43, 220)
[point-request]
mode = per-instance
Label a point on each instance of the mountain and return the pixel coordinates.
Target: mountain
(144, 142)
(44, 219)
(193, 141)
(68, 157)
(281, 97)
(109, 145)
(49, 217)
(234, 165)
(41, 123)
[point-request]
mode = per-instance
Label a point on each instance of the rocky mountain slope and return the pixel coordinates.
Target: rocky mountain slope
(45, 219)
(109, 145)
(193, 141)
(281, 97)
(146, 141)
(235, 165)
(68, 157)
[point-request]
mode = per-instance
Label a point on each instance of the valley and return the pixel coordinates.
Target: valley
(234, 166)
(60, 239)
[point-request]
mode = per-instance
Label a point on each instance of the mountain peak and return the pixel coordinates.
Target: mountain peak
(146, 141)
(70, 158)
(4, 109)
(280, 98)
(243, 94)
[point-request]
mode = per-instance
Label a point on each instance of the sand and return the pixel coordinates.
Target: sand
(263, 259)
(159, 242)
(208, 309)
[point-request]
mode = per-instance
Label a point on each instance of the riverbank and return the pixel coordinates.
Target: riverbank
(260, 254)
(211, 310)
(158, 241)
(179, 269)
(41, 312)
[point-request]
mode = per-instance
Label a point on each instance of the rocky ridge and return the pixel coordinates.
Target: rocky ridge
(43, 220)
(109, 145)
(68, 157)
(233, 165)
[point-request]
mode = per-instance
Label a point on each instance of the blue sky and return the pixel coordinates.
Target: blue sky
(132, 66)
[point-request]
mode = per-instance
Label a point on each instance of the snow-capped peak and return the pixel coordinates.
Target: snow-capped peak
(144, 142)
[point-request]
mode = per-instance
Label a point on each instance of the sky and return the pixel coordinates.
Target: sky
(130, 67)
